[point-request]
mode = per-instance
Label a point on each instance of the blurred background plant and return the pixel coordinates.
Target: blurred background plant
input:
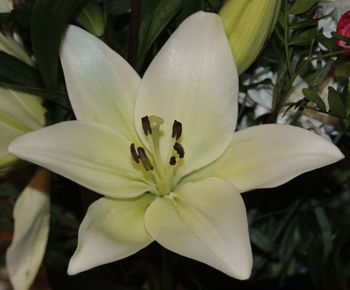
(299, 231)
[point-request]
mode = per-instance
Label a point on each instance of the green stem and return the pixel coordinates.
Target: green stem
(289, 85)
(286, 40)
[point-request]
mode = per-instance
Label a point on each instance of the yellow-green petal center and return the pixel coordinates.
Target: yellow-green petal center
(158, 171)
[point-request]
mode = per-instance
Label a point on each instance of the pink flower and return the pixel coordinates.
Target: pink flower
(343, 28)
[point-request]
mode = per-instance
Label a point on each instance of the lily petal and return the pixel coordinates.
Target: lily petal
(269, 155)
(8, 134)
(31, 214)
(89, 153)
(111, 230)
(102, 86)
(205, 221)
(193, 80)
(21, 110)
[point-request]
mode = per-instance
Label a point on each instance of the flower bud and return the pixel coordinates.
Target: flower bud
(343, 28)
(248, 23)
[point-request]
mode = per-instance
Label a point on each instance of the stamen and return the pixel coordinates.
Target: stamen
(146, 125)
(177, 130)
(179, 149)
(134, 154)
(155, 121)
(144, 159)
(172, 160)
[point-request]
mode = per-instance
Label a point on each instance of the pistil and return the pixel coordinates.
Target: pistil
(162, 172)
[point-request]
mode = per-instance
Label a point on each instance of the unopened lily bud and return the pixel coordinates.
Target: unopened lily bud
(91, 18)
(248, 23)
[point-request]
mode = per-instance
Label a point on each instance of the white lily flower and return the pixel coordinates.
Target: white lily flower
(31, 214)
(162, 149)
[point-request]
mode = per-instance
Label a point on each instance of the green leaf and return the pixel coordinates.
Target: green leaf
(329, 43)
(49, 19)
(314, 97)
(348, 100)
(304, 38)
(13, 71)
(338, 36)
(216, 4)
(301, 6)
(21, 17)
(342, 70)
(118, 6)
(335, 103)
(303, 24)
(288, 245)
(189, 8)
(316, 79)
(156, 18)
(4, 18)
(325, 226)
(278, 231)
(261, 241)
(91, 18)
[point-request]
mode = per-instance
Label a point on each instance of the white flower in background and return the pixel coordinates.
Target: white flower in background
(31, 214)
(259, 97)
(12, 44)
(21, 112)
(321, 123)
(6, 6)
(334, 9)
(162, 149)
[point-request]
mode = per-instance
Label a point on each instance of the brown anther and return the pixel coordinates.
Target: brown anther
(146, 125)
(134, 154)
(177, 130)
(179, 149)
(144, 159)
(172, 160)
